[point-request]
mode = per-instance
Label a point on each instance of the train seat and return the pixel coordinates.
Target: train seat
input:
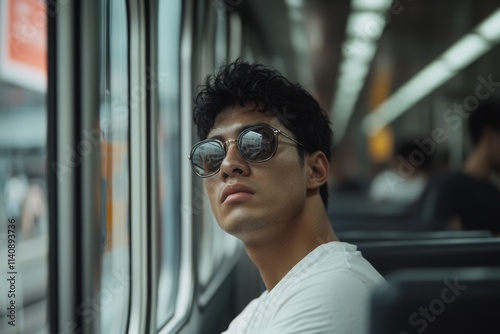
(377, 224)
(432, 301)
(356, 237)
(388, 256)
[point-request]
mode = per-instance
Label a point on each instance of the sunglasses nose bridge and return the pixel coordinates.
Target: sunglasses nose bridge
(234, 162)
(228, 142)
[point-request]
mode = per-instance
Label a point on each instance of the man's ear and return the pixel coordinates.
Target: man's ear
(317, 168)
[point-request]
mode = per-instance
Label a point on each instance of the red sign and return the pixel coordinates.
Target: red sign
(24, 43)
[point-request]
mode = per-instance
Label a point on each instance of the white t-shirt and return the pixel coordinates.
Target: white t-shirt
(328, 291)
(393, 187)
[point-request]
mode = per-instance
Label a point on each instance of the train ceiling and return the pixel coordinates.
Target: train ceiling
(373, 60)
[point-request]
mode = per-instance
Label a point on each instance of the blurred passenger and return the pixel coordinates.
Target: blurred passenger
(470, 199)
(34, 211)
(14, 193)
(405, 179)
(264, 157)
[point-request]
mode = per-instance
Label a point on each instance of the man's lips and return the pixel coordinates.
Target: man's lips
(235, 189)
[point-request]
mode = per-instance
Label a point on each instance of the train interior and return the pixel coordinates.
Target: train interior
(105, 229)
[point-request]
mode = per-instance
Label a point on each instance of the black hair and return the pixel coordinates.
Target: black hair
(407, 148)
(267, 90)
(487, 114)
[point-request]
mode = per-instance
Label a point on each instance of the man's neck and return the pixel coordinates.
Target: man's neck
(282, 246)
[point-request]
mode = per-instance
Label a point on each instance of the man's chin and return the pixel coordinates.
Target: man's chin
(241, 226)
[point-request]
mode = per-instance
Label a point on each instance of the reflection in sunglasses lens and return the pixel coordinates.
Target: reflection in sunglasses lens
(255, 144)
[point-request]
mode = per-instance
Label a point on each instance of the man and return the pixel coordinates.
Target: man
(390, 185)
(470, 199)
(265, 165)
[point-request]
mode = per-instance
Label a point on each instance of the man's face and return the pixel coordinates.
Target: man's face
(263, 195)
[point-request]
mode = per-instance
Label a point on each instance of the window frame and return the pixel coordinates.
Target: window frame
(73, 109)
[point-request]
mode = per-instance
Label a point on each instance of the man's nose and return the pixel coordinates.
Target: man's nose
(233, 163)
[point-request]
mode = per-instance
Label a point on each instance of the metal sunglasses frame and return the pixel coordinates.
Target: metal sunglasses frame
(225, 146)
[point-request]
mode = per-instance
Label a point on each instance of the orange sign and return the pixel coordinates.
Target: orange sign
(24, 43)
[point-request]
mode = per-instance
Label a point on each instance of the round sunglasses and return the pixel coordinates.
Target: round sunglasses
(256, 144)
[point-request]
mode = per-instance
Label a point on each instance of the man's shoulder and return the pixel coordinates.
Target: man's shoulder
(329, 289)
(462, 184)
(330, 296)
(332, 266)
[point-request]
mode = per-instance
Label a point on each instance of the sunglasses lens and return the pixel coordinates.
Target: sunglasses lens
(207, 157)
(257, 144)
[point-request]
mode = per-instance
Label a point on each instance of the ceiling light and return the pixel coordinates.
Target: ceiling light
(408, 95)
(295, 3)
(458, 56)
(465, 51)
(370, 4)
(365, 25)
(490, 27)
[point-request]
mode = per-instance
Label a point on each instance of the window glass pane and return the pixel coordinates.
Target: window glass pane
(215, 246)
(168, 81)
(23, 186)
(114, 116)
(221, 39)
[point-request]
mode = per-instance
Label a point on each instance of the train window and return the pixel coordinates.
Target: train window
(114, 116)
(23, 186)
(221, 38)
(235, 36)
(217, 249)
(168, 81)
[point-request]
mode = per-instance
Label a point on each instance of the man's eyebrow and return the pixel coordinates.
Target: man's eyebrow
(239, 130)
